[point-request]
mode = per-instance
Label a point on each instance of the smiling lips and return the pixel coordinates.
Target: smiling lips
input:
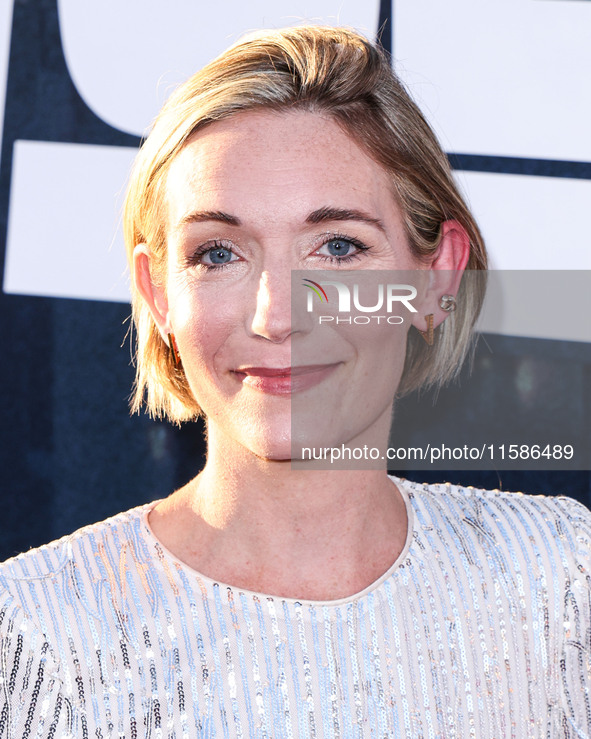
(284, 380)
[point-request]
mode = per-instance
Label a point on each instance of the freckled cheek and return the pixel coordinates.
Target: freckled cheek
(379, 350)
(204, 330)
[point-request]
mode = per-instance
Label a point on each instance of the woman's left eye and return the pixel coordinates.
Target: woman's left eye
(341, 249)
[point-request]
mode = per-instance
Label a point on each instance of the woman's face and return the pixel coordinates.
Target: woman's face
(249, 199)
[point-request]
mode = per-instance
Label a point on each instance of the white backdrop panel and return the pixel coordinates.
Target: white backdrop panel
(125, 58)
(5, 28)
(64, 238)
(505, 77)
(531, 222)
(538, 305)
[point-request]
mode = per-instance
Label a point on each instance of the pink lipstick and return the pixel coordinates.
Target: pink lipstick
(284, 380)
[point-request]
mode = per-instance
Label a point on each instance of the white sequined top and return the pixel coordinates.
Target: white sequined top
(481, 628)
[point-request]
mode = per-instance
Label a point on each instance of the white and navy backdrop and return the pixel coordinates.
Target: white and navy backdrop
(506, 84)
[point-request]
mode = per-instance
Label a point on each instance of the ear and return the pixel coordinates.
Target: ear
(445, 273)
(153, 294)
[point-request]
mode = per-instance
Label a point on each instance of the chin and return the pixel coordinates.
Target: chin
(271, 452)
(272, 443)
(279, 457)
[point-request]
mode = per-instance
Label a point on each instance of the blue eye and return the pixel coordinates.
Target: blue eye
(341, 249)
(219, 255)
(338, 247)
(213, 257)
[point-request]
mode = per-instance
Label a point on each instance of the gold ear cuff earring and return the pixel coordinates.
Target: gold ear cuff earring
(446, 303)
(428, 334)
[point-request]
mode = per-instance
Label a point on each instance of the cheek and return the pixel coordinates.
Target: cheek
(380, 349)
(380, 352)
(203, 322)
(373, 355)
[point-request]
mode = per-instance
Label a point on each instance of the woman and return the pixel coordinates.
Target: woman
(263, 599)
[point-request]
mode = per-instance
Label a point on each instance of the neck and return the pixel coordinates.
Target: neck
(237, 484)
(264, 526)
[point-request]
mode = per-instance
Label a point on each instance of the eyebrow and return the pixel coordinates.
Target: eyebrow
(201, 216)
(321, 215)
(343, 214)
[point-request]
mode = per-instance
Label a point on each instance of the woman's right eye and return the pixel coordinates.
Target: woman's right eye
(214, 257)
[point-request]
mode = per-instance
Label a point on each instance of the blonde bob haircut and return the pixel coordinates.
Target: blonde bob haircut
(336, 72)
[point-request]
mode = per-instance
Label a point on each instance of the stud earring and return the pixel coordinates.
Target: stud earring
(447, 303)
(428, 334)
(172, 345)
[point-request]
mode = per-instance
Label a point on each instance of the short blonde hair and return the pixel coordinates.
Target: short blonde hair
(333, 71)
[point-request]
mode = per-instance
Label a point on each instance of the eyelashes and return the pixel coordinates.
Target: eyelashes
(337, 248)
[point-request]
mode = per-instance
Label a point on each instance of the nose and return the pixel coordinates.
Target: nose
(272, 313)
